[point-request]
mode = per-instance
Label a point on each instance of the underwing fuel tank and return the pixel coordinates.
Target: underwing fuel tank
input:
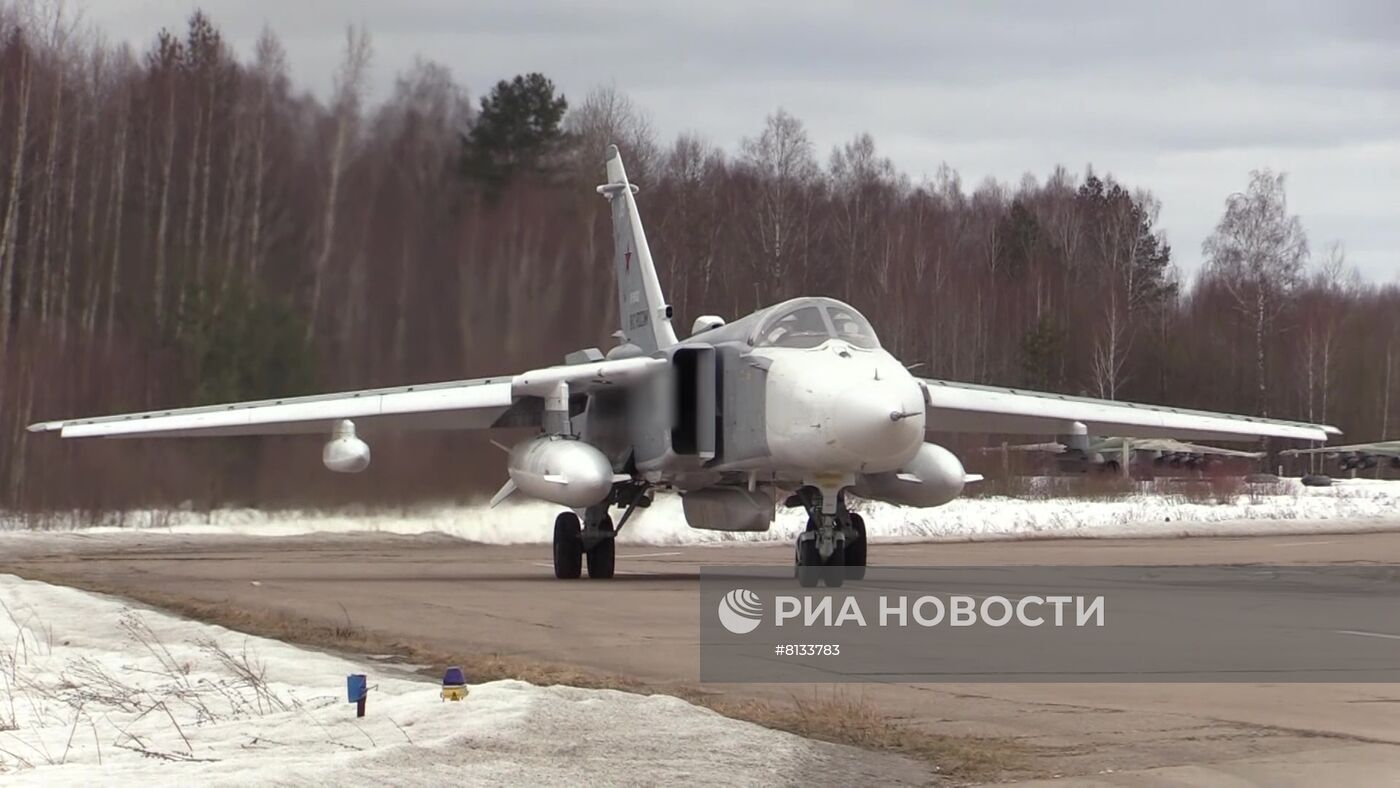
(934, 477)
(561, 470)
(344, 452)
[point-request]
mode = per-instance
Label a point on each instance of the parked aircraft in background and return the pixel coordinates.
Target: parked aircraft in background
(1115, 455)
(1358, 456)
(797, 402)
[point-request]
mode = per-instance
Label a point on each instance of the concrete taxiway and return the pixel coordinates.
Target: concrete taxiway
(465, 597)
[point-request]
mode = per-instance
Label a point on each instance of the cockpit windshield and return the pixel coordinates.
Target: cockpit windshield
(804, 327)
(851, 327)
(809, 322)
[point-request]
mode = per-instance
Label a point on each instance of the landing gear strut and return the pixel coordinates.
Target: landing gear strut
(833, 548)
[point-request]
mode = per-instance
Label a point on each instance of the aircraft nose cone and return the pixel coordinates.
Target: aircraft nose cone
(881, 424)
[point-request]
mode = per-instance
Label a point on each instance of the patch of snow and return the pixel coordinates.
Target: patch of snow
(1284, 507)
(94, 692)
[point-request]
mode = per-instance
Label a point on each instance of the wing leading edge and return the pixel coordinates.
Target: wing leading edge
(968, 407)
(1382, 448)
(463, 404)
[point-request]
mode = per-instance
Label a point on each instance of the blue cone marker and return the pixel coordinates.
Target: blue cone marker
(454, 684)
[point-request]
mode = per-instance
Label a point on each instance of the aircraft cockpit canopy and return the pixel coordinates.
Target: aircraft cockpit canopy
(808, 322)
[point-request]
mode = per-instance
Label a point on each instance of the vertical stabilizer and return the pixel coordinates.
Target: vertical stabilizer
(645, 316)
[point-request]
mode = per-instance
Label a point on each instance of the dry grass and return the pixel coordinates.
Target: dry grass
(1094, 486)
(841, 716)
(1209, 489)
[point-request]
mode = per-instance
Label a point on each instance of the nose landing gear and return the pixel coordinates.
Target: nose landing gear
(833, 548)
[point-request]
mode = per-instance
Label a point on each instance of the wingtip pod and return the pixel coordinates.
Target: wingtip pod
(45, 426)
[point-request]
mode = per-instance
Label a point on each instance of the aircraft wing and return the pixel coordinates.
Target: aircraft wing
(1050, 448)
(1169, 445)
(1382, 449)
(968, 407)
(509, 401)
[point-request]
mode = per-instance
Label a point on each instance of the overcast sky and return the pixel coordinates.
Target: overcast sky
(1182, 98)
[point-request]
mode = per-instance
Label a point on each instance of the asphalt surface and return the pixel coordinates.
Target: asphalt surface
(460, 596)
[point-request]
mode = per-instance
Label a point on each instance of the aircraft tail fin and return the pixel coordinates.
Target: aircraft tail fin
(645, 315)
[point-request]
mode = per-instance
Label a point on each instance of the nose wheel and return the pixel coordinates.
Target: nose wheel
(821, 556)
(855, 548)
(833, 547)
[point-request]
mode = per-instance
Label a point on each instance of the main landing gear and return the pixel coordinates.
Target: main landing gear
(593, 536)
(572, 543)
(833, 548)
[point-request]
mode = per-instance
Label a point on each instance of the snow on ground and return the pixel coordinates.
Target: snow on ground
(1287, 507)
(94, 692)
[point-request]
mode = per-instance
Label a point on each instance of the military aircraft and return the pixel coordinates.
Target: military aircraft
(797, 402)
(1116, 454)
(1359, 456)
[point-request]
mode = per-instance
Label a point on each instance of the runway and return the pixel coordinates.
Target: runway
(471, 598)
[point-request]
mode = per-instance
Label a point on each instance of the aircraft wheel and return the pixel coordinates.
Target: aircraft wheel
(834, 572)
(568, 546)
(602, 558)
(812, 570)
(855, 549)
(809, 564)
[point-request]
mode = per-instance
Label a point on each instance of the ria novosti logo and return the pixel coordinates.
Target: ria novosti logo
(740, 611)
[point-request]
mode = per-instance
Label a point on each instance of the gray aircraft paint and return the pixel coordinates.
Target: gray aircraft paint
(645, 317)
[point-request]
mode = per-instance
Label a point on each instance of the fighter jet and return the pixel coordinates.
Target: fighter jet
(1359, 456)
(1114, 454)
(796, 403)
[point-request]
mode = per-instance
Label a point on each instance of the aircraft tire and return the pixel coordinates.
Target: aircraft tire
(809, 564)
(856, 550)
(834, 572)
(568, 546)
(602, 559)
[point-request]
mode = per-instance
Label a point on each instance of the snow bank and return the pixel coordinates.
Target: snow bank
(94, 692)
(1143, 514)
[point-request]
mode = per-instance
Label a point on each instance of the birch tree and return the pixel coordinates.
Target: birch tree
(348, 92)
(9, 230)
(1257, 252)
(783, 167)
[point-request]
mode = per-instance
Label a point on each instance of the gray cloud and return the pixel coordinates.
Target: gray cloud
(1182, 98)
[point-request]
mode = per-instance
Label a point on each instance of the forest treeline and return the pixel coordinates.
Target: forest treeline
(182, 225)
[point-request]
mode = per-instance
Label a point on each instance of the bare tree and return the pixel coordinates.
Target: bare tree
(9, 230)
(1258, 251)
(270, 75)
(349, 89)
(608, 116)
(166, 61)
(865, 187)
(784, 170)
(116, 207)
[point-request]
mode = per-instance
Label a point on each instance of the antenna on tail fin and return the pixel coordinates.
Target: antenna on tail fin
(645, 315)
